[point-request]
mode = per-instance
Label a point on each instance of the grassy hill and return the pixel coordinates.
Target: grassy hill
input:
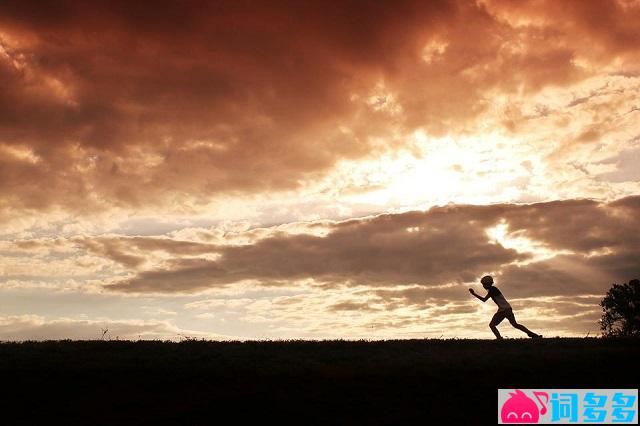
(303, 382)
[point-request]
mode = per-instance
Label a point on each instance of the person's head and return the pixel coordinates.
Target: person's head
(487, 281)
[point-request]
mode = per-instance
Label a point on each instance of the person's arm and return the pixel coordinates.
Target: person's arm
(484, 299)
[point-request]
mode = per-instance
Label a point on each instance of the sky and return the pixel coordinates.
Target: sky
(285, 169)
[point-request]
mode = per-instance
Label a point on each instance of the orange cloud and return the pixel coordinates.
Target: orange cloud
(121, 105)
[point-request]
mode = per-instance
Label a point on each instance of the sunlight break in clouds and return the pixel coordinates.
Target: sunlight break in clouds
(293, 170)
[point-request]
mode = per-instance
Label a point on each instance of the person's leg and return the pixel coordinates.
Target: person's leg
(497, 319)
(512, 319)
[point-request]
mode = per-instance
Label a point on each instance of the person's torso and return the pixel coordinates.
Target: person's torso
(498, 298)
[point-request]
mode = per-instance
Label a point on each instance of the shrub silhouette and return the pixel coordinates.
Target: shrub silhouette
(621, 310)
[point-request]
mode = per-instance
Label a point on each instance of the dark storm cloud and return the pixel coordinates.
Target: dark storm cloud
(127, 104)
(444, 245)
(231, 96)
(579, 225)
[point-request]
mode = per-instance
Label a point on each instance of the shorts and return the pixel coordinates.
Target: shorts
(502, 314)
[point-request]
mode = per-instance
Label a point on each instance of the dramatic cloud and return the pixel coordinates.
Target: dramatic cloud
(384, 274)
(290, 169)
(444, 245)
(114, 104)
(439, 246)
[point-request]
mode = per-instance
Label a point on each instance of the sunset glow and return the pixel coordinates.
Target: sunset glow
(284, 170)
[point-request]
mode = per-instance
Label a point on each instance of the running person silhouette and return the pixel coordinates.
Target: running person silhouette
(504, 308)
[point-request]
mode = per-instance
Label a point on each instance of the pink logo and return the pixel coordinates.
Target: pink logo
(519, 408)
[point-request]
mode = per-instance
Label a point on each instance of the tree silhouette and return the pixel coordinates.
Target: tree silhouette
(621, 310)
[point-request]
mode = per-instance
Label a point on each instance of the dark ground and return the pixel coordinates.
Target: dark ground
(303, 382)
